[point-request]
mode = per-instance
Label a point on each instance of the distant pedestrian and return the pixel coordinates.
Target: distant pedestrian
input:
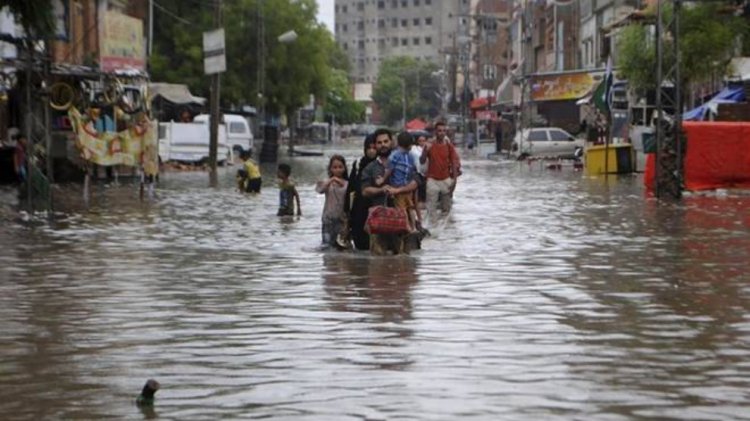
(334, 187)
(248, 177)
(19, 158)
(287, 192)
(442, 172)
(499, 136)
(416, 153)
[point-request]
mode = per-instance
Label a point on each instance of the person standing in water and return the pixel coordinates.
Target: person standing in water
(334, 187)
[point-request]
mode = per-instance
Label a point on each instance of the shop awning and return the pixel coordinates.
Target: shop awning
(563, 86)
(727, 96)
(504, 92)
(175, 93)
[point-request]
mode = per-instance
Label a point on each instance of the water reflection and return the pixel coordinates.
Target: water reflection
(546, 295)
(380, 288)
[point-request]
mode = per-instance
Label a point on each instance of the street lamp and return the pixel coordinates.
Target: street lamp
(287, 37)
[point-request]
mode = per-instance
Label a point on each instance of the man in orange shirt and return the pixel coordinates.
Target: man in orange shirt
(443, 170)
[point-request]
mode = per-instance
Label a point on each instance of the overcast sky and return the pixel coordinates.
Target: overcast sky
(325, 13)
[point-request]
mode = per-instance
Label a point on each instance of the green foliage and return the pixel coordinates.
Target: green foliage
(340, 101)
(401, 77)
(292, 71)
(637, 57)
(34, 16)
(707, 43)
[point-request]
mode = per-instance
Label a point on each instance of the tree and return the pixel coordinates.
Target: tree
(35, 16)
(401, 77)
(707, 43)
(293, 71)
(340, 101)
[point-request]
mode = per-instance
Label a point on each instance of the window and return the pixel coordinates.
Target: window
(381, 42)
(394, 23)
(404, 3)
(394, 3)
(490, 71)
(427, 2)
(415, 41)
(538, 135)
(343, 9)
(346, 46)
(404, 23)
(361, 44)
(404, 41)
(428, 21)
(237, 127)
(345, 27)
(360, 6)
(394, 42)
(428, 40)
(336, 8)
(381, 23)
(559, 136)
(416, 3)
(381, 4)
(360, 25)
(415, 22)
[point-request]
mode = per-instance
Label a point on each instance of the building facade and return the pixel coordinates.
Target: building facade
(370, 31)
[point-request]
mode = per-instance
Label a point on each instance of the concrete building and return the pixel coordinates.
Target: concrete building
(492, 43)
(370, 31)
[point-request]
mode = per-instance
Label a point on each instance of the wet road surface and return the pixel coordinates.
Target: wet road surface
(547, 295)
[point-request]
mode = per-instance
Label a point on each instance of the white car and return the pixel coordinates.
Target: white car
(546, 142)
(239, 136)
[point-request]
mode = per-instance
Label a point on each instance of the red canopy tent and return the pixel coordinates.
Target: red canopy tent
(416, 124)
(479, 103)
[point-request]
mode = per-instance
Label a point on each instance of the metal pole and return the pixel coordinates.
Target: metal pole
(150, 27)
(29, 141)
(677, 130)
(403, 102)
(215, 96)
(660, 112)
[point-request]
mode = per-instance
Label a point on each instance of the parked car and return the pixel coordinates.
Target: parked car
(189, 142)
(239, 136)
(546, 142)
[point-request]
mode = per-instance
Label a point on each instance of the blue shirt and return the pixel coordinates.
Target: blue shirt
(403, 168)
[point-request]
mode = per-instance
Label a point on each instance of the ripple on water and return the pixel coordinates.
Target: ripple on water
(544, 296)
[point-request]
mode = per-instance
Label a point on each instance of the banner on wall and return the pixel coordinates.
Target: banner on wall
(136, 146)
(121, 43)
(562, 87)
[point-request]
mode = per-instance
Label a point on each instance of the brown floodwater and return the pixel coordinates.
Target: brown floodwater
(546, 295)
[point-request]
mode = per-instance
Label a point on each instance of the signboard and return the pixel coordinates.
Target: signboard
(121, 43)
(214, 59)
(488, 115)
(562, 86)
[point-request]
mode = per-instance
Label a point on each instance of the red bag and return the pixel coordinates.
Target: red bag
(386, 220)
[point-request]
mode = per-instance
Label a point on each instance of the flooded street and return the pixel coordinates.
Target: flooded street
(548, 295)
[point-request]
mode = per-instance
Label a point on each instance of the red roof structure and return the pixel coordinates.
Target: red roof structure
(416, 124)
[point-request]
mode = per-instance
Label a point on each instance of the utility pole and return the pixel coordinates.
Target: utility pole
(669, 137)
(215, 96)
(29, 152)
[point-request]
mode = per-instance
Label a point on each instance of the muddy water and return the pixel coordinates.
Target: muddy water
(546, 295)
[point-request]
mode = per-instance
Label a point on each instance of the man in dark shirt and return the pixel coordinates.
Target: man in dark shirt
(371, 175)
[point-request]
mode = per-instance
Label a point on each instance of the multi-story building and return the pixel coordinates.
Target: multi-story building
(370, 31)
(492, 43)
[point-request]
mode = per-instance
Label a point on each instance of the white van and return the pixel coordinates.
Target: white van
(239, 135)
(189, 142)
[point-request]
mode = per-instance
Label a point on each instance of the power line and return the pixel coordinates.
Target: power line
(166, 11)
